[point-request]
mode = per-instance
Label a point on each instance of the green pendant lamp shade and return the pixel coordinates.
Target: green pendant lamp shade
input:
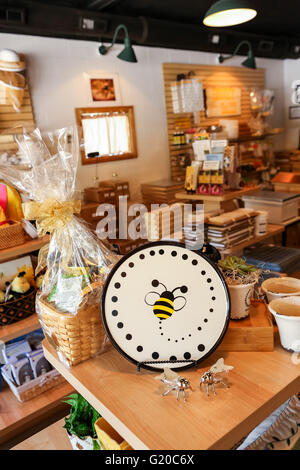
(249, 62)
(229, 13)
(127, 53)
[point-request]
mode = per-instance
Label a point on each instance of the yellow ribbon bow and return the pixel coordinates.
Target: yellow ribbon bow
(50, 215)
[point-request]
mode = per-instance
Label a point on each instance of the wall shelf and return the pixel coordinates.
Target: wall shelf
(19, 250)
(19, 328)
(250, 138)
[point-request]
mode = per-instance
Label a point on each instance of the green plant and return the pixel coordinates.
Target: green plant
(237, 271)
(83, 416)
(234, 263)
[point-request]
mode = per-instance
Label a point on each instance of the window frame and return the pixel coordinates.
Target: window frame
(129, 110)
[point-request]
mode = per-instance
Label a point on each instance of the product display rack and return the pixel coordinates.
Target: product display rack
(19, 420)
(131, 401)
(271, 232)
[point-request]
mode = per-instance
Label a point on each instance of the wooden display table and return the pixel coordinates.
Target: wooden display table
(131, 401)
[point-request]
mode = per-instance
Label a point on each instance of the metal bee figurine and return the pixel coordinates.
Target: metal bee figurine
(174, 382)
(215, 375)
(164, 306)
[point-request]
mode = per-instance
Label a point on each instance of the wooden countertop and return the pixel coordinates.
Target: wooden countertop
(131, 401)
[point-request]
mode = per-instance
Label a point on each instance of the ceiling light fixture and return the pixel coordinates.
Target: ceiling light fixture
(127, 53)
(229, 13)
(249, 62)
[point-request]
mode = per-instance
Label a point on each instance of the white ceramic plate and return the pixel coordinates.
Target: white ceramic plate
(164, 302)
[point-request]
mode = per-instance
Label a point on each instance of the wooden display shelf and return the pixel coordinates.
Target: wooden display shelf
(131, 401)
(250, 138)
(227, 196)
(19, 328)
(215, 202)
(27, 247)
(20, 420)
(271, 232)
(254, 333)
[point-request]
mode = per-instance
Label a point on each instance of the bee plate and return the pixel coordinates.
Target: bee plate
(164, 302)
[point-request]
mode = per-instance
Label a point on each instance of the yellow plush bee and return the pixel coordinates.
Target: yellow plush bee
(20, 284)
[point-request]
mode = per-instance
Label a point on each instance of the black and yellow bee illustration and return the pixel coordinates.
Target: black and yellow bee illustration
(164, 306)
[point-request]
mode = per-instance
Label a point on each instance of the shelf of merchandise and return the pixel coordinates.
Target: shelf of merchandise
(216, 202)
(238, 140)
(19, 328)
(31, 323)
(250, 138)
(20, 420)
(131, 401)
(271, 232)
(226, 196)
(19, 250)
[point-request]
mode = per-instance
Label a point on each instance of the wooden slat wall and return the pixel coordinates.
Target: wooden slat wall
(211, 75)
(9, 118)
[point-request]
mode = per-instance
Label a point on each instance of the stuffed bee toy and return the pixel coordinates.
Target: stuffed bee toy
(18, 287)
(39, 280)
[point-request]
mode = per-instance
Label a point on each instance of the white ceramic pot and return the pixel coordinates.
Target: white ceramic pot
(82, 444)
(286, 311)
(277, 287)
(240, 298)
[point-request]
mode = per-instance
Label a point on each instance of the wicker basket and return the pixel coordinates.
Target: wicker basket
(17, 309)
(75, 337)
(11, 235)
(35, 387)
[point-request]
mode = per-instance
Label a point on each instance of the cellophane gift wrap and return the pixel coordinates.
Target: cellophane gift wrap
(75, 262)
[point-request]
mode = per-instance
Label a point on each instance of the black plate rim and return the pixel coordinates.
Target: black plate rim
(107, 282)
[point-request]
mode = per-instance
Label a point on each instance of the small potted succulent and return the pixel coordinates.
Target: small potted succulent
(240, 279)
(80, 425)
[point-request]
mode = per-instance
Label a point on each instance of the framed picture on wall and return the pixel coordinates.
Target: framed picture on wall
(103, 89)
